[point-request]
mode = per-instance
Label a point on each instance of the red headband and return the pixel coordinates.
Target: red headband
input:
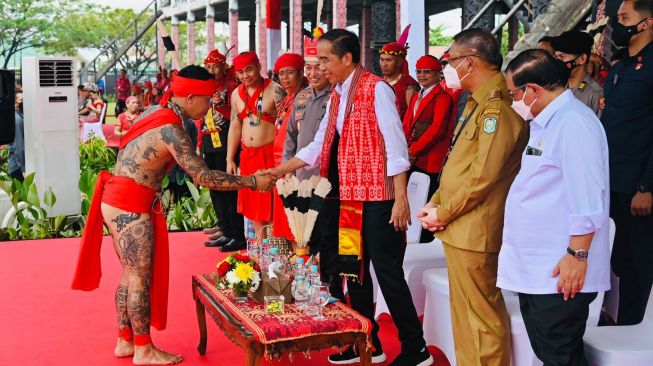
(215, 57)
(183, 87)
(245, 59)
(428, 63)
(289, 60)
(394, 49)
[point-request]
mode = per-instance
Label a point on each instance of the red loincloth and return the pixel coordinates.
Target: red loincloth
(255, 205)
(124, 193)
(279, 219)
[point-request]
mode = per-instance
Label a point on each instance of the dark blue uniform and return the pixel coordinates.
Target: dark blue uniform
(628, 122)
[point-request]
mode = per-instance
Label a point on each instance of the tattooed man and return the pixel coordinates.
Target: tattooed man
(127, 201)
(254, 108)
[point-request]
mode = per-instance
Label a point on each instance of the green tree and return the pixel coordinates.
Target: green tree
(31, 24)
(104, 28)
(437, 38)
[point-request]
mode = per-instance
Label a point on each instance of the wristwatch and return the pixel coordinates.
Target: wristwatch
(643, 188)
(579, 254)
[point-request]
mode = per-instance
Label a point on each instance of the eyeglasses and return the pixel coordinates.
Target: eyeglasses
(514, 91)
(450, 59)
(425, 71)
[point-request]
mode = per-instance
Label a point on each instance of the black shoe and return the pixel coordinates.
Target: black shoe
(233, 245)
(218, 242)
(421, 358)
(350, 356)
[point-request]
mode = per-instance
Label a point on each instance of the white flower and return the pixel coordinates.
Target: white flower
(256, 280)
(232, 279)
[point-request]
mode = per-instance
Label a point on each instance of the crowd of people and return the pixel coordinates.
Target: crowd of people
(524, 177)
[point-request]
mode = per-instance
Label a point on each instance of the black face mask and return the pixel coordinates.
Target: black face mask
(622, 34)
(20, 107)
(565, 67)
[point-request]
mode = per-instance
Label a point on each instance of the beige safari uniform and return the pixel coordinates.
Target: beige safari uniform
(590, 93)
(475, 181)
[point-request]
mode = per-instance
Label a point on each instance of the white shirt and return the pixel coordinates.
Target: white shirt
(396, 146)
(423, 93)
(560, 193)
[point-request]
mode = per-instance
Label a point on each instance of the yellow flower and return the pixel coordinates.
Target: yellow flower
(243, 271)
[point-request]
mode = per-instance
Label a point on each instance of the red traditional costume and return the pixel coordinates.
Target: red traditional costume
(400, 86)
(255, 205)
(220, 106)
(279, 218)
(362, 160)
(128, 195)
(429, 126)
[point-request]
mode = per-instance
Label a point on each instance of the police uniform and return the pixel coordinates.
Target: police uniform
(580, 43)
(308, 110)
(590, 93)
(628, 122)
(483, 161)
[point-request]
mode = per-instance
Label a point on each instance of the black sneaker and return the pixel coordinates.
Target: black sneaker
(421, 358)
(350, 356)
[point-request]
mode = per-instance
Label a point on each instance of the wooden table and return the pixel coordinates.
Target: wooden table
(222, 311)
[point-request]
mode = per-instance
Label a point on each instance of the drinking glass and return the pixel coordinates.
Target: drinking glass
(321, 299)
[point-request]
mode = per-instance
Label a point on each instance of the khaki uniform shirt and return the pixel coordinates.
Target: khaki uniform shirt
(308, 110)
(590, 93)
(480, 169)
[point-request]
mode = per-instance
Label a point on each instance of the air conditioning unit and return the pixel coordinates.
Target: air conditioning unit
(51, 129)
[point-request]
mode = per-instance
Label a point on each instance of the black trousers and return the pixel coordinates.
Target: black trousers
(385, 248)
(324, 240)
(121, 106)
(556, 327)
(17, 174)
(427, 236)
(225, 203)
(632, 258)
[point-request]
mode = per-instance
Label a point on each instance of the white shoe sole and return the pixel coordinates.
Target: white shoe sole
(426, 362)
(375, 359)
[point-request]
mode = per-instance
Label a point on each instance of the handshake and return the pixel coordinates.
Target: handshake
(266, 179)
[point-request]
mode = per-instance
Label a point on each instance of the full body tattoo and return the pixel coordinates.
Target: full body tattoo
(146, 160)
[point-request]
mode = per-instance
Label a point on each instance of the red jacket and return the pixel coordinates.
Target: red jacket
(429, 139)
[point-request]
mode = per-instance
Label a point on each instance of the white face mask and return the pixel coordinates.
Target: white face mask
(523, 110)
(451, 76)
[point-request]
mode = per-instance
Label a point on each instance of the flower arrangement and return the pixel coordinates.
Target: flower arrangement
(239, 273)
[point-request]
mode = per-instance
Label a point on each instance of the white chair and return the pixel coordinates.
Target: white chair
(437, 313)
(437, 323)
(630, 345)
(94, 129)
(419, 256)
(418, 191)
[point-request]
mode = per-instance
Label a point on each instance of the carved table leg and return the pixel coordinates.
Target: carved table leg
(365, 353)
(253, 353)
(201, 321)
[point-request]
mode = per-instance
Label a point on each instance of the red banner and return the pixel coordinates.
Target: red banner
(273, 14)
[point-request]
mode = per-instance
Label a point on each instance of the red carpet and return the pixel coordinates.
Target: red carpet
(44, 322)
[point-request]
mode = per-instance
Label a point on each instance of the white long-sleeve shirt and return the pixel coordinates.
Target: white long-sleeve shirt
(561, 190)
(389, 123)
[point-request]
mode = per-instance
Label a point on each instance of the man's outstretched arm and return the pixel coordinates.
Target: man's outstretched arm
(181, 147)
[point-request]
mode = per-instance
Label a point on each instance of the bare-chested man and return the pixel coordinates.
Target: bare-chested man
(127, 202)
(254, 107)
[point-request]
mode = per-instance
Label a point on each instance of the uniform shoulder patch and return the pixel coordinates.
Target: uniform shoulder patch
(495, 94)
(601, 102)
(489, 125)
(487, 111)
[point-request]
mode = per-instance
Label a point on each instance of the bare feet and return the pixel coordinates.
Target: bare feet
(150, 355)
(124, 348)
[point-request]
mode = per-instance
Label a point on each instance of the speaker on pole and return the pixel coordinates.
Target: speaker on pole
(7, 108)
